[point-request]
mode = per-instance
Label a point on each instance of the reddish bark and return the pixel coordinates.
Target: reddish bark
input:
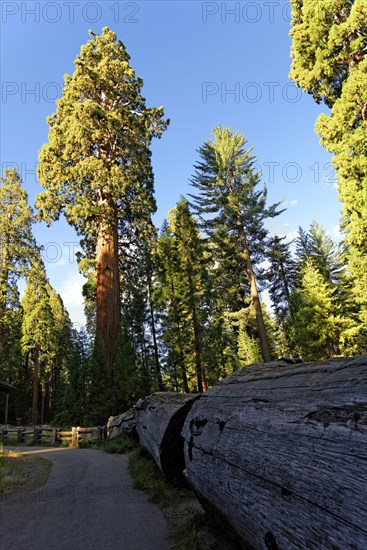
(108, 288)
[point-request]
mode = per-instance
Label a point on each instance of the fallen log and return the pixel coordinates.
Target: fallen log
(159, 421)
(123, 424)
(279, 453)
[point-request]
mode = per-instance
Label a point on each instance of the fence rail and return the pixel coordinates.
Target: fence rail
(77, 435)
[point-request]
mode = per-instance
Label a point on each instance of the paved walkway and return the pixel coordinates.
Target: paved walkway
(88, 503)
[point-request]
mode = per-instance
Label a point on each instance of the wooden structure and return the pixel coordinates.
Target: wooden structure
(74, 438)
(159, 421)
(279, 453)
(6, 389)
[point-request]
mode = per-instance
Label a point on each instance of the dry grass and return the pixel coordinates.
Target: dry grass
(21, 473)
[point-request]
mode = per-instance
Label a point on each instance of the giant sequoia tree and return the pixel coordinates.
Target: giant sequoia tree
(329, 51)
(96, 166)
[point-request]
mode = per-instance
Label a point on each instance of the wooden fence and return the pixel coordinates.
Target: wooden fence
(77, 435)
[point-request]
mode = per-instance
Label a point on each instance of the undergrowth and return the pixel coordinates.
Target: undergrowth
(149, 478)
(192, 528)
(122, 444)
(19, 472)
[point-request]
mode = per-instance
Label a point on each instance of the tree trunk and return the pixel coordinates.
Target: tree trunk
(123, 424)
(181, 356)
(278, 452)
(108, 288)
(200, 375)
(154, 334)
(159, 421)
(4, 277)
(35, 386)
(265, 350)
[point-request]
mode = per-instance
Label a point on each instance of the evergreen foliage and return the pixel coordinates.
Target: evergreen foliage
(329, 47)
(182, 309)
(96, 167)
(229, 202)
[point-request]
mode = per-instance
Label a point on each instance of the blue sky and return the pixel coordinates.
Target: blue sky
(207, 63)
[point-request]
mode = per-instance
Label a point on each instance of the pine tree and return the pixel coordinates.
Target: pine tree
(181, 296)
(192, 278)
(16, 243)
(38, 336)
(96, 166)
(229, 203)
(281, 275)
(315, 316)
(327, 255)
(329, 61)
(167, 298)
(281, 279)
(64, 339)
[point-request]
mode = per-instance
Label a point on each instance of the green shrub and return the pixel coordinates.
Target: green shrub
(122, 444)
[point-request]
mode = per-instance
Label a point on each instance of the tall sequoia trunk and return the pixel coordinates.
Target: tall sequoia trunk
(35, 386)
(265, 350)
(108, 287)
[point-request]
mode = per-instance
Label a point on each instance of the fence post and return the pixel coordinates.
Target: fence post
(74, 437)
(99, 435)
(19, 435)
(54, 436)
(104, 432)
(2, 435)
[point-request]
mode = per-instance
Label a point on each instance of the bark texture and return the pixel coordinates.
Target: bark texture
(108, 290)
(123, 424)
(279, 453)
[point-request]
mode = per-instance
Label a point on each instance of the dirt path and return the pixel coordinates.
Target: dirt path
(88, 503)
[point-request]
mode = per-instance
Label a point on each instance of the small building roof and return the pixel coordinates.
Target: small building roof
(5, 387)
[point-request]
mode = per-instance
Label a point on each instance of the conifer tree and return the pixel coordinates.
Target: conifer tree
(96, 166)
(192, 278)
(315, 316)
(281, 278)
(181, 275)
(38, 336)
(329, 47)
(16, 242)
(281, 275)
(228, 201)
(167, 297)
(327, 255)
(64, 340)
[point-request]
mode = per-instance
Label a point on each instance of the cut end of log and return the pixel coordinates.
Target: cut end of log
(160, 419)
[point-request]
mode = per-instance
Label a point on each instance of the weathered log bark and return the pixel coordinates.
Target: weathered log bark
(159, 421)
(124, 423)
(279, 452)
